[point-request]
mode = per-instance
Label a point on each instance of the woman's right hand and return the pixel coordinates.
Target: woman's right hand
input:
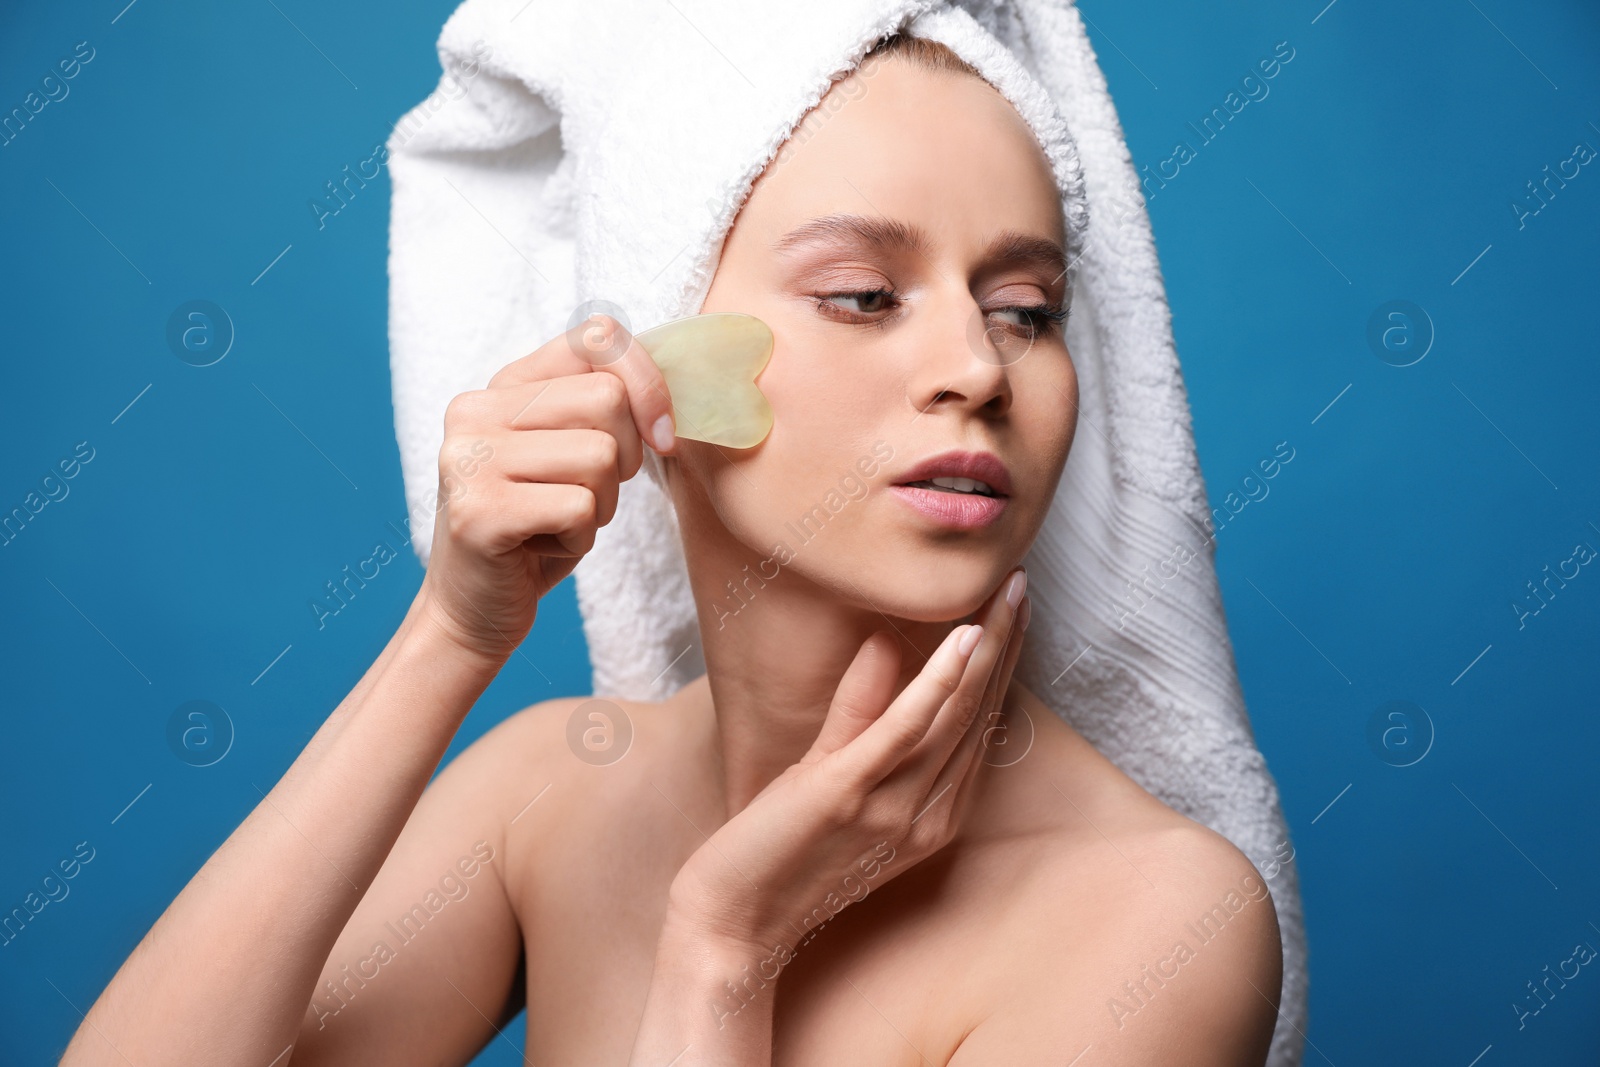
(528, 472)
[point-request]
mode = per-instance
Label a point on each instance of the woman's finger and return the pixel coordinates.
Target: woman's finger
(563, 457)
(883, 744)
(554, 519)
(963, 769)
(573, 402)
(607, 346)
(963, 712)
(601, 343)
(994, 695)
(863, 693)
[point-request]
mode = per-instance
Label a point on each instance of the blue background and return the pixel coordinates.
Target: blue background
(1382, 565)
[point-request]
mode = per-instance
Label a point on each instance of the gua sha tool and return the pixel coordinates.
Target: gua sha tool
(710, 363)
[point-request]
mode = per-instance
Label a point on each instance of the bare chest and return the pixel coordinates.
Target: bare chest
(895, 977)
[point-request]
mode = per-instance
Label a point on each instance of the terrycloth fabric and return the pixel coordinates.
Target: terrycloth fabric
(600, 149)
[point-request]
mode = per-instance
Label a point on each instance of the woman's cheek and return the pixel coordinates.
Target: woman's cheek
(820, 402)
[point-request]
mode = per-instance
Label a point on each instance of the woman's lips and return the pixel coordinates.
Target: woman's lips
(951, 508)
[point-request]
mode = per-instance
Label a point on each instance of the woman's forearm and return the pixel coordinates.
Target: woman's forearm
(710, 1001)
(227, 970)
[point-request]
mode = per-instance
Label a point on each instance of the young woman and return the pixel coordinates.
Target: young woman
(809, 855)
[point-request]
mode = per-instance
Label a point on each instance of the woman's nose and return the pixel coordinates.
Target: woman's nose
(964, 360)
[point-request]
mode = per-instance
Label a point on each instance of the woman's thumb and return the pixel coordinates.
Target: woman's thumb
(864, 692)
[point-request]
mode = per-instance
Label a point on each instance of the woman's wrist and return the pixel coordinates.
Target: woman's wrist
(710, 996)
(426, 625)
(714, 938)
(691, 915)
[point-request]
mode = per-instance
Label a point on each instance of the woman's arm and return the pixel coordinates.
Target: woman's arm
(529, 469)
(704, 1007)
(225, 973)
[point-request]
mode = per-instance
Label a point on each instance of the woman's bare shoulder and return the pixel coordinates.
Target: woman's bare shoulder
(583, 758)
(1112, 832)
(575, 731)
(1137, 924)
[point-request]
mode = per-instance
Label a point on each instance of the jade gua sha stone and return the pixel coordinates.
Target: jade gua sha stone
(710, 363)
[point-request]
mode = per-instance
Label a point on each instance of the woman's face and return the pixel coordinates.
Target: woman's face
(904, 247)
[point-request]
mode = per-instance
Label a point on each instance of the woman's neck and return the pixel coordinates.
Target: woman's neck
(772, 671)
(776, 645)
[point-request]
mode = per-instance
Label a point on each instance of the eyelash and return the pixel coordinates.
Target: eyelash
(1041, 317)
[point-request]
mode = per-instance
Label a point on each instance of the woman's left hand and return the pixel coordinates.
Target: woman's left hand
(881, 789)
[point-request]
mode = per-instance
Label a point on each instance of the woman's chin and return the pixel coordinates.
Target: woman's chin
(934, 593)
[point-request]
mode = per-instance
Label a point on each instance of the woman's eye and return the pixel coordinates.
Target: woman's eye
(1029, 321)
(866, 307)
(1014, 316)
(868, 301)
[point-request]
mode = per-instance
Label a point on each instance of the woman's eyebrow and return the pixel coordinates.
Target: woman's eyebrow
(891, 235)
(1016, 247)
(877, 233)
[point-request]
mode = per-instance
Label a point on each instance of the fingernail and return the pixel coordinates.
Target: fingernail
(1014, 591)
(969, 640)
(1025, 612)
(661, 433)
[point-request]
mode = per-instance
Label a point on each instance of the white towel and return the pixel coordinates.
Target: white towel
(599, 150)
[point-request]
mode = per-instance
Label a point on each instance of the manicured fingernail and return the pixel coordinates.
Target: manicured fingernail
(969, 640)
(1025, 612)
(1014, 591)
(661, 433)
